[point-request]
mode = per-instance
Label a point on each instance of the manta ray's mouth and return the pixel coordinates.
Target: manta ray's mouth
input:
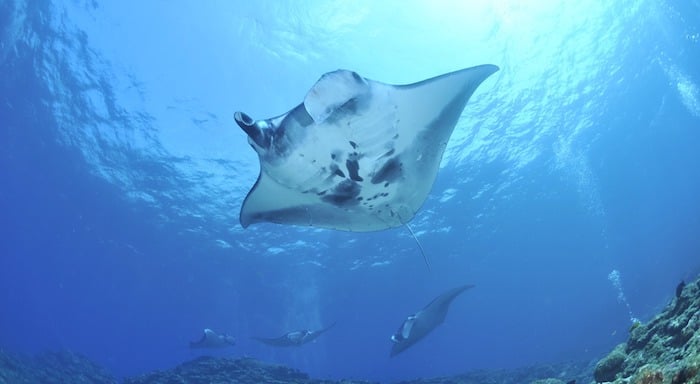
(243, 119)
(253, 129)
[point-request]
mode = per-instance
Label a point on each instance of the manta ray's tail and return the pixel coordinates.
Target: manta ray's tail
(422, 252)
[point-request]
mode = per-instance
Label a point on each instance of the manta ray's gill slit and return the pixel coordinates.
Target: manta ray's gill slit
(388, 153)
(335, 170)
(344, 193)
(390, 171)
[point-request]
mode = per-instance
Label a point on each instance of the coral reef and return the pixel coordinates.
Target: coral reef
(664, 351)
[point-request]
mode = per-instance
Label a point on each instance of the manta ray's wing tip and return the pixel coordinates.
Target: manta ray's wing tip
(484, 70)
(489, 68)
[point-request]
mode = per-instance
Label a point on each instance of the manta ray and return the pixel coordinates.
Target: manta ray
(418, 325)
(211, 339)
(294, 338)
(357, 154)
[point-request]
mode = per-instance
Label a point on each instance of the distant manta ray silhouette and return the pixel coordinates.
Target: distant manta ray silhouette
(211, 339)
(294, 338)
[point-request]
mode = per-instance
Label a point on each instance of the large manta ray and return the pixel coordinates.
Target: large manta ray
(418, 325)
(294, 338)
(356, 154)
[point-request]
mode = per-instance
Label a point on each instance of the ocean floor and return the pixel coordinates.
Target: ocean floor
(666, 350)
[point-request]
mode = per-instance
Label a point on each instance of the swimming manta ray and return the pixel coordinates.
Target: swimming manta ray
(211, 339)
(418, 325)
(356, 154)
(294, 338)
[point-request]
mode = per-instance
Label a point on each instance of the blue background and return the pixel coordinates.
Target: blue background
(123, 173)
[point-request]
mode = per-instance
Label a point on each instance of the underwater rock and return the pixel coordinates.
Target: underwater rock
(207, 370)
(66, 367)
(548, 381)
(610, 366)
(666, 350)
(51, 368)
(557, 373)
(248, 371)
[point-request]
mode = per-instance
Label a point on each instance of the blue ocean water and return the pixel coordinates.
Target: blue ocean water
(568, 194)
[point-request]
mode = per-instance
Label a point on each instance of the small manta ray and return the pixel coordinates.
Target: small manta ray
(357, 154)
(211, 339)
(294, 338)
(424, 321)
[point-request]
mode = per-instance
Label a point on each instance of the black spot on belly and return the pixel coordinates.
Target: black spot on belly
(343, 194)
(390, 171)
(353, 168)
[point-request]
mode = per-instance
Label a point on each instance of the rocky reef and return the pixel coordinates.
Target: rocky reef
(666, 350)
(206, 370)
(67, 367)
(51, 368)
(559, 373)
